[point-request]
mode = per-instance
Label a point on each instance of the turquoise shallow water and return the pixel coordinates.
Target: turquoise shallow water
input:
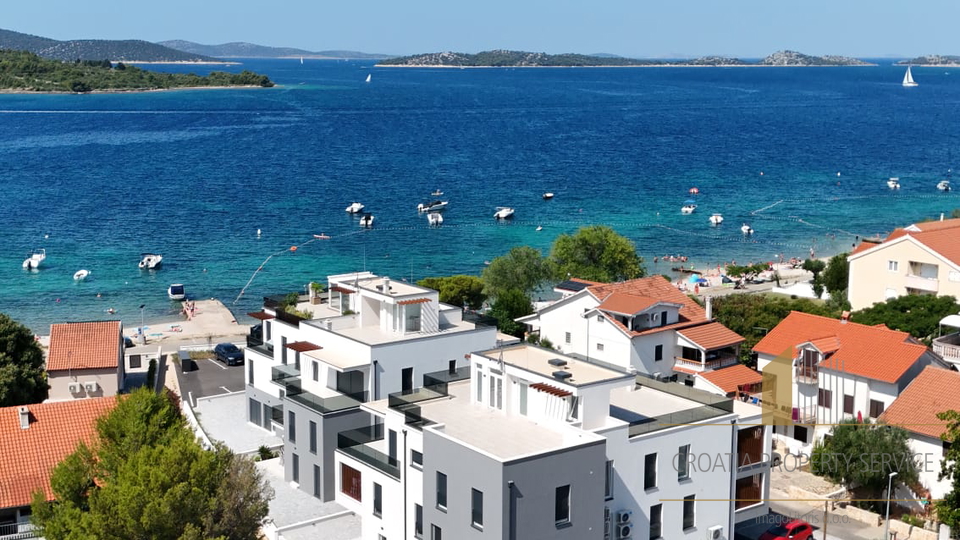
(98, 179)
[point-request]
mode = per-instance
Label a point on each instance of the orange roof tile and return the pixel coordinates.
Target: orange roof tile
(29, 455)
(626, 304)
(938, 225)
(867, 351)
(84, 345)
(940, 236)
(932, 392)
(729, 379)
(653, 287)
(826, 345)
(711, 336)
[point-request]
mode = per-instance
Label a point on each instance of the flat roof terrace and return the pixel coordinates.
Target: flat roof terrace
(373, 335)
(655, 405)
(537, 360)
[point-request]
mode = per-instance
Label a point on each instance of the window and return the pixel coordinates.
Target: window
(441, 491)
(417, 521)
(479, 386)
(599, 318)
(296, 468)
(496, 392)
(292, 426)
(599, 346)
(561, 512)
(135, 359)
(876, 408)
(848, 404)
(893, 266)
(316, 371)
(824, 398)
(523, 398)
(416, 459)
(566, 338)
(689, 511)
(436, 533)
(255, 412)
(313, 437)
(658, 353)
(350, 481)
(476, 508)
(377, 500)
(249, 370)
(608, 481)
(683, 465)
(650, 471)
(954, 276)
(283, 350)
(656, 521)
(748, 491)
(800, 433)
(316, 481)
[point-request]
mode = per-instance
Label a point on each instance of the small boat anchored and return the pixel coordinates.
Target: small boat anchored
(547, 196)
(81, 275)
(908, 79)
(716, 219)
(943, 185)
(150, 261)
(354, 208)
(435, 219)
(688, 207)
(503, 212)
(893, 183)
(366, 220)
(34, 259)
(435, 206)
(539, 228)
(746, 229)
(176, 291)
(436, 193)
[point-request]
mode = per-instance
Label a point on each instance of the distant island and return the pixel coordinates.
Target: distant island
(503, 58)
(932, 60)
(23, 71)
(250, 50)
(129, 50)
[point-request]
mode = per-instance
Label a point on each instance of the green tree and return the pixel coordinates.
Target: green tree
(523, 268)
(596, 253)
(508, 306)
(948, 509)
(23, 379)
(876, 451)
(836, 276)
(460, 290)
(146, 476)
(917, 314)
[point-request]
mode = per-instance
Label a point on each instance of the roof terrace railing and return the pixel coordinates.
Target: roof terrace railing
(356, 443)
(435, 385)
(712, 406)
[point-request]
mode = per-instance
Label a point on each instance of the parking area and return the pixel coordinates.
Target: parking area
(210, 377)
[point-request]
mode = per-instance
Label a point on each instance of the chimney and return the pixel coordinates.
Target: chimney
(24, 417)
(386, 285)
(844, 317)
(941, 216)
(708, 306)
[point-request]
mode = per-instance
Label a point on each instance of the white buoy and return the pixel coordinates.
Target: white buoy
(258, 232)
(761, 173)
(838, 173)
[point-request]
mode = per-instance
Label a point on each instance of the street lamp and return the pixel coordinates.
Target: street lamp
(886, 520)
(143, 335)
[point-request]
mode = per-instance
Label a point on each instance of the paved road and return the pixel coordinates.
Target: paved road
(838, 527)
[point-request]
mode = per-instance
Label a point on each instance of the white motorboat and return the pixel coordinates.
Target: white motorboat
(435, 218)
(893, 183)
(81, 275)
(150, 261)
(746, 229)
(908, 79)
(354, 208)
(503, 212)
(688, 208)
(943, 185)
(716, 219)
(436, 193)
(539, 228)
(176, 291)
(547, 196)
(435, 206)
(366, 220)
(34, 259)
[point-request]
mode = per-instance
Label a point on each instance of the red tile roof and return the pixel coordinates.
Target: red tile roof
(873, 352)
(932, 392)
(29, 455)
(940, 236)
(653, 287)
(827, 345)
(626, 304)
(711, 336)
(84, 345)
(937, 225)
(729, 379)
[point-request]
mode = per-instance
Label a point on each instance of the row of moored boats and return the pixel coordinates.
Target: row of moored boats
(943, 185)
(148, 261)
(690, 206)
(432, 210)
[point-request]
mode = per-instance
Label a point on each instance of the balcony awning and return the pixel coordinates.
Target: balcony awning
(711, 336)
(413, 301)
(552, 390)
(261, 315)
(338, 361)
(303, 346)
(342, 290)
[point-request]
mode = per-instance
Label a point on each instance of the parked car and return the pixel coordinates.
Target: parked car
(228, 353)
(796, 529)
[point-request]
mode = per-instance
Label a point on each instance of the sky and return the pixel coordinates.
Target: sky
(636, 28)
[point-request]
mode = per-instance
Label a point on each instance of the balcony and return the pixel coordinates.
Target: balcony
(285, 374)
(710, 365)
(434, 386)
(804, 415)
(712, 406)
(919, 283)
(806, 374)
(18, 531)
(258, 345)
(948, 347)
(366, 445)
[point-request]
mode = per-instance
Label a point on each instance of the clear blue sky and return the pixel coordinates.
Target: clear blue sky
(645, 28)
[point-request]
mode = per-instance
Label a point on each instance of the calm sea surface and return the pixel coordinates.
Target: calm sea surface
(98, 179)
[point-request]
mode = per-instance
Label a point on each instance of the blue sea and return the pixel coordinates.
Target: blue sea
(98, 179)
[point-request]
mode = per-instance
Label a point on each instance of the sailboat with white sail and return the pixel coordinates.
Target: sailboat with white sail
(368, 77)
(908, 79)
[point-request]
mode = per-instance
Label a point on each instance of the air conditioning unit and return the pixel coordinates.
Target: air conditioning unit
(624, 531)
(624, 517)
(715, 532)
(91, 386)
(74, 387)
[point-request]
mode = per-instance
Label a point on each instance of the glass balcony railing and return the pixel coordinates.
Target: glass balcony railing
(359, 444)
(258, 345)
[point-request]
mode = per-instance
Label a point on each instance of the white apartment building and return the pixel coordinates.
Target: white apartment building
(643, 324)
(834, 370)
(370, 337)
(528, 443)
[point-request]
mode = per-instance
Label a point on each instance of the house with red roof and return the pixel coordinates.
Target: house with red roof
(35, 438)
(923, 258)
(933, 391)
(835, 370)
(85, 359)
(644, 324)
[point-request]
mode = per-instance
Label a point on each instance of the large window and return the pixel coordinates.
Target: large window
(748, 491)
(824, 398)
(650, 471)
(417, 521)
(689, 512)
(249, 370)
(683, 462)
(316, 371)
(316, 481)
(608, 481)
(523, 398)
(416, 459)
(255, 412)
(658, 353)
(876, 408)
(291, 426)
(377, 500)
(313, 437)
(561, 510)
(476, 508)
(496, 392)
(656, 521)
(436, 533)
(350, 481)
(441, 491)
